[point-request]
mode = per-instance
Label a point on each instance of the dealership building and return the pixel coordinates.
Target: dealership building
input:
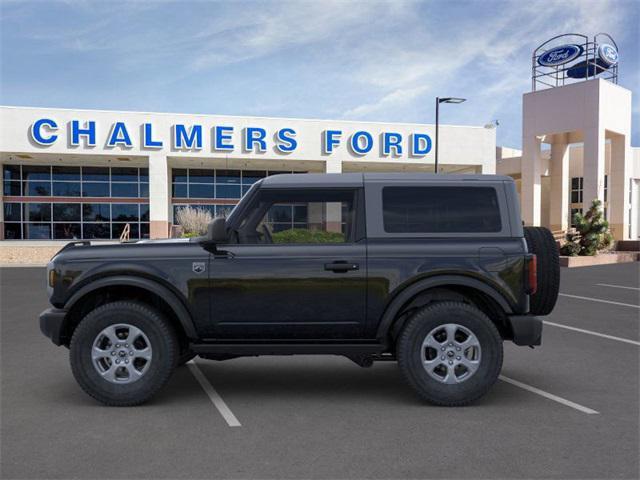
(86, 174)
(90, 174)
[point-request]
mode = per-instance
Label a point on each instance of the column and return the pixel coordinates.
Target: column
(334, 209)
(159, 198)
(333, 165)
(559, 197)
(618, 188)
(531, 180)
(593, 164)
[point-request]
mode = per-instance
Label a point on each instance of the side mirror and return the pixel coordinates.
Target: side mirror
(217, 230)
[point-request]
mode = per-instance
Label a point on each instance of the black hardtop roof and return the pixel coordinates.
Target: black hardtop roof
(358, 179)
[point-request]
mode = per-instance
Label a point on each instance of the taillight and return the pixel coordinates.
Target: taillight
(532, 277)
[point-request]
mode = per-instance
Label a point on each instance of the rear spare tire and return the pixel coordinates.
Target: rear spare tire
(540, 241)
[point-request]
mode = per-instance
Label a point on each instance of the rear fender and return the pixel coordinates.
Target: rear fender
(401, 299)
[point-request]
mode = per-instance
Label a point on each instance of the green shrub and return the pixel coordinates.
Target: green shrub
(592, 233)
(299, 235)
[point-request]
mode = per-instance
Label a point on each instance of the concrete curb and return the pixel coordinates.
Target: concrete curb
(602, 259)
(23, 265)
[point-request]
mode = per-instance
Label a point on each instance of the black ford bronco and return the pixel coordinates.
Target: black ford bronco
(433, 271)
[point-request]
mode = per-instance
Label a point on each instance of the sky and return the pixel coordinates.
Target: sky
(351, 60)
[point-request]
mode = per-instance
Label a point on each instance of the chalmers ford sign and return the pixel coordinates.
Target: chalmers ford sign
(45, 132)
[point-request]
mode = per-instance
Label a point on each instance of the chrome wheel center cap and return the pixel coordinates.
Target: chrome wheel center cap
(121, 353)
(451, 353)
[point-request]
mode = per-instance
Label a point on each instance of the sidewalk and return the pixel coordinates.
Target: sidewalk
(31, 252)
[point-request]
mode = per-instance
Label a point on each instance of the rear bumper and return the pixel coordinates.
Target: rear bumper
(52, 322)
(527, 330)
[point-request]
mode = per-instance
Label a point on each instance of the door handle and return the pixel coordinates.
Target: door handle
(341, 266)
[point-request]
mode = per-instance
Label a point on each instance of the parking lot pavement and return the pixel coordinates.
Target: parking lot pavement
(320, 417)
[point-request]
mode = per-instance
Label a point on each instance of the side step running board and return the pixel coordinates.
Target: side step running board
(241, 349)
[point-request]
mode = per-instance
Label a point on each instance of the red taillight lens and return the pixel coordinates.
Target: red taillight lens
(532, 277)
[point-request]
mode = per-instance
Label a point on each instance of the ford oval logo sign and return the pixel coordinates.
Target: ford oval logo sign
(608, 54)
(560, 55)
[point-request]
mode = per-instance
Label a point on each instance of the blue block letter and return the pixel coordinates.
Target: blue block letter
(147, 138)
(331, 139)
(421, 144)
(391, 140)
(184, 139)
(119, 136)
(36, 131)
(355, 142)
(89, 131)
(221, 137)
(286, 140)
(255, 135)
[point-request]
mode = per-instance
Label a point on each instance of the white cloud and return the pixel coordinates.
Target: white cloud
(487, 56)
(250, 35)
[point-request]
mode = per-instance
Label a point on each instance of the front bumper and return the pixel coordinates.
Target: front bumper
(52, 324)
(527, 330)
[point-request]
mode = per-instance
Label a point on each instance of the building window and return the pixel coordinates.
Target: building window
(576, 189)
(54, 220)
(200, 185)
(63, 181)
(62, 213)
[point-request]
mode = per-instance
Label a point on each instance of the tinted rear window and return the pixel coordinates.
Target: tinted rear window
(440, 210)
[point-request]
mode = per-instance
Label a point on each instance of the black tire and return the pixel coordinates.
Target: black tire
(541, 242)
(411, 354)
(160, 334)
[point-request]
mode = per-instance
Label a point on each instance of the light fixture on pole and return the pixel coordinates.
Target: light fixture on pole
(438, 102)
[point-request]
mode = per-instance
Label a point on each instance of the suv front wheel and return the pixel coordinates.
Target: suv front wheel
(123, 352)
(450, 353)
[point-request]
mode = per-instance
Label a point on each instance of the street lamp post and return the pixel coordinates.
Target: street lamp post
(438, 102)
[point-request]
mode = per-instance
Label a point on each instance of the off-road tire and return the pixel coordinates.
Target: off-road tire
(164, 346)
(410, 354)
(541, 242)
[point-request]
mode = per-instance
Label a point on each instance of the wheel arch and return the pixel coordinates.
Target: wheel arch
(444, 288)
(120, 287)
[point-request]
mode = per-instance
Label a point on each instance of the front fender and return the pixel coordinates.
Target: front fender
(176, 304)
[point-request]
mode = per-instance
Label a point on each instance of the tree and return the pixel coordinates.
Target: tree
(591, 235)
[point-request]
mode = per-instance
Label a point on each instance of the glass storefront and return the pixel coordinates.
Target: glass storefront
(43, 202)
(76, 203)
(203, 187)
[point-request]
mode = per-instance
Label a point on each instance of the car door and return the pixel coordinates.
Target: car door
(297, 272)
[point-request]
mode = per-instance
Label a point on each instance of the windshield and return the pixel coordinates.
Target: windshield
(234, 210)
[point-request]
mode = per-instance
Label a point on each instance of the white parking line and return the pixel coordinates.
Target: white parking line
(548, 395)
(616, 286)
(215, 398)
(599, 300)
(610, 337)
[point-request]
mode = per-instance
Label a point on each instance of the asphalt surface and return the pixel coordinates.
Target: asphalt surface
(325, 417)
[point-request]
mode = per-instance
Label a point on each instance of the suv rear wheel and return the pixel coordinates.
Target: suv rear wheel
(122, 353)
(450, 353)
